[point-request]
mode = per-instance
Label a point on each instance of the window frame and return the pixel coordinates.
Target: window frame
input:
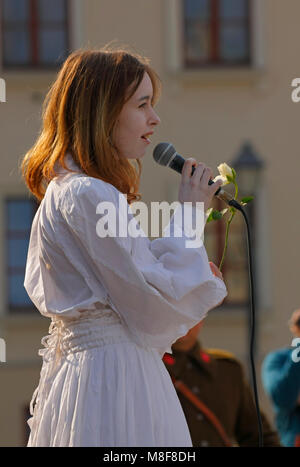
(215, 61)
(15, 309)
(33, 31)
(251, 75)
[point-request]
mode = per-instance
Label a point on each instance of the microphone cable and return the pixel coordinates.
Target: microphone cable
(236, 205)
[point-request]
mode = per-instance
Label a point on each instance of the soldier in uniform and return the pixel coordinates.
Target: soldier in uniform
(214, 395)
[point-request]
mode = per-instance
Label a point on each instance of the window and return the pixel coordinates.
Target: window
(35, 33)
(216, 32)
(19, 217)
(235, 266)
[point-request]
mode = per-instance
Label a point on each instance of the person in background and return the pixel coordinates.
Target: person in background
(281, 379)
(215, 397)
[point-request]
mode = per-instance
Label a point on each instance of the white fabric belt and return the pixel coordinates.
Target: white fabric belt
(94, 328)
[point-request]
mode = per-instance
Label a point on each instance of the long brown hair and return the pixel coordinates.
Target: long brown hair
(79, 114)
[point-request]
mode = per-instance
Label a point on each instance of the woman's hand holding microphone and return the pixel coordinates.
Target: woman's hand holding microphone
(195, 188)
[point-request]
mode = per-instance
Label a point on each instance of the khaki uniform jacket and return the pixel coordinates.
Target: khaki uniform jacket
(216, 377)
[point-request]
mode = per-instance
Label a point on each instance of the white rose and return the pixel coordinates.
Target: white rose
(224, 170)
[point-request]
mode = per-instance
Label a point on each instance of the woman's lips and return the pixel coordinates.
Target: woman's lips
(147, 140)
(145, 136)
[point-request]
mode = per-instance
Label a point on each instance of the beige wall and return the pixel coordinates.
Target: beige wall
(207, 115)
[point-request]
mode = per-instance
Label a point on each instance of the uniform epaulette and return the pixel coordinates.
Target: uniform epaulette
(220, 353)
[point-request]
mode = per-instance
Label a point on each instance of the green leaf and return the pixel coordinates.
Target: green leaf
(247, 199)
(216, 215)
(209, 214)
(233, 173)
(229, 179)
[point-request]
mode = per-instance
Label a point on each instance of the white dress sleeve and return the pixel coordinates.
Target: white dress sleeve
(159, 288)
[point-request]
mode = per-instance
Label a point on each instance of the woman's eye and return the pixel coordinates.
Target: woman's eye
(142, 105)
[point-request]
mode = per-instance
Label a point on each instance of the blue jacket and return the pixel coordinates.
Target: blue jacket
(281, 379)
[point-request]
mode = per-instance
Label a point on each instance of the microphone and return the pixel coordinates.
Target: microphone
(165, 154)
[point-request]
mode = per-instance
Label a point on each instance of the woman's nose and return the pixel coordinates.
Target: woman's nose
(155, 120)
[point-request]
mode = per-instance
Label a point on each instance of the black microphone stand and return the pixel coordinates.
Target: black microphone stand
(236, 205)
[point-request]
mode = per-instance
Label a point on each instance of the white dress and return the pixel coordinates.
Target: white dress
(116, 306)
